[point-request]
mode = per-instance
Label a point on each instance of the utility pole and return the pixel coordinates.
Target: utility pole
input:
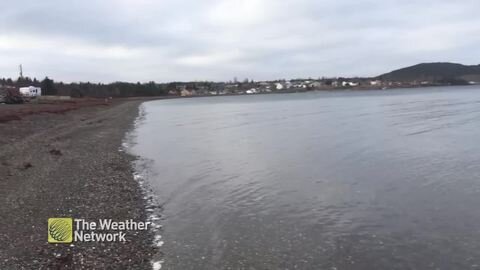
(21, 71)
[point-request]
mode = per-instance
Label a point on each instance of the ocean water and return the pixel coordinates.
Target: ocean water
(320, 180)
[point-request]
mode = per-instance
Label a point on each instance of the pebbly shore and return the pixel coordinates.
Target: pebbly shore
(69, 165)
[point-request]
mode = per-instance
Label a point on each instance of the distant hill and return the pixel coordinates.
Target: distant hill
(435, 72)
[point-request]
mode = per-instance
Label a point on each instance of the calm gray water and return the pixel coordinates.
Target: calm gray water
(346, 180)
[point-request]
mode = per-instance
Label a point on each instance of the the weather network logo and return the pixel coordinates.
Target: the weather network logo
(60, 230)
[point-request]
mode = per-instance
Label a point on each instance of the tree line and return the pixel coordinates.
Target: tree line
(87, 89)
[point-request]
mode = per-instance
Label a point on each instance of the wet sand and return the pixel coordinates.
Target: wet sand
(69, 165)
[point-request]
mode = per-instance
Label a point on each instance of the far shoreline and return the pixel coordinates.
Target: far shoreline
(12, 112)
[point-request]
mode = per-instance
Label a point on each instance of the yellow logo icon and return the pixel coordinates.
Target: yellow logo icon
(60, 230)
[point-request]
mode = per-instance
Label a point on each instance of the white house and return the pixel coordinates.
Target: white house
(375, 82)
(344, 83)
(252, 91)
(31, 91)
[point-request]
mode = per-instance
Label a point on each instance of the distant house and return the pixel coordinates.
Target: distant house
(31, 91)
(231, 88)
(252, 91)
(279, 86)
(352, 84)
(264, 84)
(288, 84)
(315, 85)
(187, 93)
(375, 83)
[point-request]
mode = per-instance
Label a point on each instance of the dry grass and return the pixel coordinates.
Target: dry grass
(12, 112)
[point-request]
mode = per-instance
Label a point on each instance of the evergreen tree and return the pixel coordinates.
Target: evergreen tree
(48, 87)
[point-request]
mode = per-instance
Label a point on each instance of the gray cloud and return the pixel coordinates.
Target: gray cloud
(218, 39)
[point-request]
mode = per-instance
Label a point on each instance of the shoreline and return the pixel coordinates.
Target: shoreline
(70, 165)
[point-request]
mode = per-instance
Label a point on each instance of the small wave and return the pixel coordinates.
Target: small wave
(140, 174)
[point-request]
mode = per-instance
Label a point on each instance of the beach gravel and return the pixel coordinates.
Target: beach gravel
(69, 165)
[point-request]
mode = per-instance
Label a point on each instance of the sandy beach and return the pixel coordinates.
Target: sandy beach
(68, 164)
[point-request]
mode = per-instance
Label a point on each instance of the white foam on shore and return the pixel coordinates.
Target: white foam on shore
(152, 209)
(140, 174)
(158, 241)
(157, 265)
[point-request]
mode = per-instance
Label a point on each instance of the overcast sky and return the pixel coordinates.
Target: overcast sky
(167, 40)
